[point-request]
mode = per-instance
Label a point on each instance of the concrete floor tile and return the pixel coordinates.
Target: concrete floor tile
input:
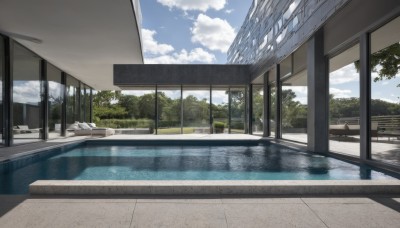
(353, 200)
(263, 200)
(69, 215)
(180, 200)
(356, 215)
(178, 215)
(271, 215)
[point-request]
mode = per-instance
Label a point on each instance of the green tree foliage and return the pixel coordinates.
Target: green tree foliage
(385, 62)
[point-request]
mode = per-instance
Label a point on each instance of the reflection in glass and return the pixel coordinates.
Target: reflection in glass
(220, 109)
(272, 109)
(82, 102)
(385, 93)
(344, 103)
(258, 109)
(294, 107)
(56, 99)
(87, 104)
(238, 110)
(169, 110)
(196, 110)
(72, 101)
(27, 96)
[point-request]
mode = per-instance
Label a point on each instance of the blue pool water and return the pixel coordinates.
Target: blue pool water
(220, 162)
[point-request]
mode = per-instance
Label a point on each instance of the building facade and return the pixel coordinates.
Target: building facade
(330, 74)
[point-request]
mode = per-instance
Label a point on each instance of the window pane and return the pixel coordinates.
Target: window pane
(169, 110)
(385, 93)
(72, 100)
(258, 109)
(56, 94)
(344, 102)
(220, 109)
(238, 110)
(139, 105)
(27, 99)
(272, 109)
(294, 108)
(196, 110)
(82, 102)
(87, 104)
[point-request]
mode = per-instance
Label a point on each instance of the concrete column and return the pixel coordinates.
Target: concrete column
(266, 97)
(318, 95)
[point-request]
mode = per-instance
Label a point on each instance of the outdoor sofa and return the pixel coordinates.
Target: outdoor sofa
(81, 129)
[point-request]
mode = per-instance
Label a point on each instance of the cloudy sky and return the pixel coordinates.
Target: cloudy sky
(190, 31)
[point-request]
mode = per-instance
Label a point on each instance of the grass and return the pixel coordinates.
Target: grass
(176, 130)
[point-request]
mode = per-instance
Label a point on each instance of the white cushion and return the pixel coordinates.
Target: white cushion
(92, 125)
(84, 126)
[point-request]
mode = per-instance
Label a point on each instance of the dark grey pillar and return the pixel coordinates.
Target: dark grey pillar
(318, 95)
(45, 100)
(249, 107)
(267, 104)
(156, 111)
(64, 105)
(8, 92)
(365, 97)
(278, 98)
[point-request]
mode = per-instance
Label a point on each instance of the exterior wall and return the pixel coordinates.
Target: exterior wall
(149, 74)
(270, 32)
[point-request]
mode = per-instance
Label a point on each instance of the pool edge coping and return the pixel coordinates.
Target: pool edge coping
(201, 187)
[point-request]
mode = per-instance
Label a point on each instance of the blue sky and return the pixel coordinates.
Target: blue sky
(190, 31)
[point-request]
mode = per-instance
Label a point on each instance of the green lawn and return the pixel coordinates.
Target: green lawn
(176, 130)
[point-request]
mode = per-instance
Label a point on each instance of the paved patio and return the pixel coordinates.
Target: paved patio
(367, 211)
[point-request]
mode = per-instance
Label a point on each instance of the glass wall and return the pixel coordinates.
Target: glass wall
(238, 110)
(196, 110)
(139, 106)
(272, 109)
(56, 99)
(72, 101)
(169, 110)
(294, 107)
(344, 102)
(82, 97)
(2, 59)
(87, 104)
(27, 96)
(258, 109)
(385, 93)
(220, 109)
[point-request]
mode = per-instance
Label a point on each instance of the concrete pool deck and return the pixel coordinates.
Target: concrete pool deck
(188, 211)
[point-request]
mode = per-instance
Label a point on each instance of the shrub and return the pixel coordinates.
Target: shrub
(125, 123)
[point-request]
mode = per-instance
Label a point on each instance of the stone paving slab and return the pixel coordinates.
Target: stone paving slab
(199, 211)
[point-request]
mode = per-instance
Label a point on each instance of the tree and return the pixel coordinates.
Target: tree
(389, 61)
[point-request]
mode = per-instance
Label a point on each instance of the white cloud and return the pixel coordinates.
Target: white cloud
(340, 93)
(27, 92)
(201, 5)
(229, 11)
(344, 75)
(213, 33)
(197, 55)
(150, 45)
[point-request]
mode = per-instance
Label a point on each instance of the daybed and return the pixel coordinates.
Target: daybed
(81, 129)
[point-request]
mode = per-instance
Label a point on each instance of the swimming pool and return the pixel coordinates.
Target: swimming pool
(93, 160)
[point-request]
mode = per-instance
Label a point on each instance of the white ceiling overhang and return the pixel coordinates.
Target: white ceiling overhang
(84, 38)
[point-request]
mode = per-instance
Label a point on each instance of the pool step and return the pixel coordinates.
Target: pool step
(256, 187)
